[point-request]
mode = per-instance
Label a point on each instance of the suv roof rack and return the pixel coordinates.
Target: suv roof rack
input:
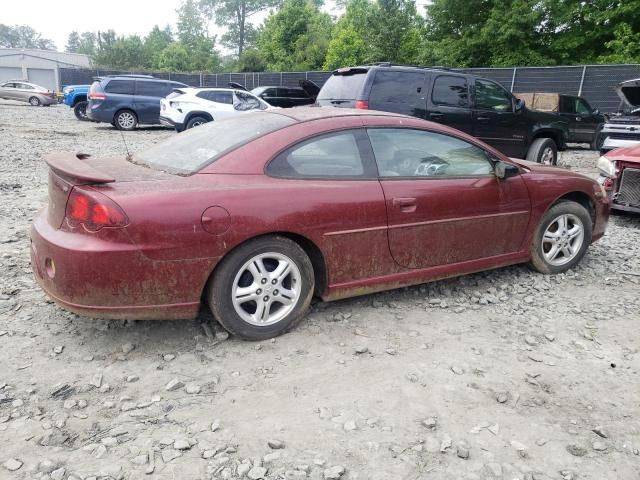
(130, 75)
(391, 64)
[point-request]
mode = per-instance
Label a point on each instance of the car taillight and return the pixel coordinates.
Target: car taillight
(362, 104)
(97, 96)
(93, 210)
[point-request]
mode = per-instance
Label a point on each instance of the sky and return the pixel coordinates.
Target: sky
(55, 20)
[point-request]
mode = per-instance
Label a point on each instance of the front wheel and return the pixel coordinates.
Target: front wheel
(34, 101)
(544, 151)
(125, 120)
(262, 289)
(562, 238)
(80, 111)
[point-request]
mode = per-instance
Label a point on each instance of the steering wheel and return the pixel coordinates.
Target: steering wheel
(431, 167)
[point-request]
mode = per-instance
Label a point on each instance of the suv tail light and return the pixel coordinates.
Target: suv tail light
(362, 104)
(97, 96)
(93, 210)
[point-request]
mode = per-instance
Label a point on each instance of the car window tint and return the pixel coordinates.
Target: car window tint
(342, 86)
(404, 152)
(491, 96)
(271, 92)
(297, 93)
(151, 89)
(125, 87)
(333, 155)
(218, 97)
(9, 85)
(451, 91)
(397, 87)
(191, 150)
(582, 107)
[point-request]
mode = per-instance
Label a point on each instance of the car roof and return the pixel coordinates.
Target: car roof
(310, 113)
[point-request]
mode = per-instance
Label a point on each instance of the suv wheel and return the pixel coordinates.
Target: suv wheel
(80, 110)
(125, 120)
(195, 122)
(544, 151)
(34, 101)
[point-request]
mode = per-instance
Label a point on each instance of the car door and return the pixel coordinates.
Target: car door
(146, 100)
(8, 90)
(449, 102)
(399, 92)
(444, 203)
(495, 119)
(219, 103)
(23, 92)
(587, 121)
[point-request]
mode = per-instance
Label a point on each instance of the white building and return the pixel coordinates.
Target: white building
(38, 66)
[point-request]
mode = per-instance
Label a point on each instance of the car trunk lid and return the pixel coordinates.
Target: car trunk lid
(629, 92)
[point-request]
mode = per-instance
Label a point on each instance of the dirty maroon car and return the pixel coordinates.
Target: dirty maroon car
(256, 215)
(620, 174)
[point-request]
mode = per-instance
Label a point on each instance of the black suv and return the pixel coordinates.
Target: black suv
(478, 106)
(125, 101)
(286, 97)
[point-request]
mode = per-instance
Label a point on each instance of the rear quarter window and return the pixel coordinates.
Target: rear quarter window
(397, 87)
(125, 87)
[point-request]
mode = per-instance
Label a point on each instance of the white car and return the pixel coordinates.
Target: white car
(189, 107)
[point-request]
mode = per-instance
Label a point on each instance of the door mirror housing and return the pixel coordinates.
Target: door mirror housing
(596, 111)
(504, 170)
(520, 104)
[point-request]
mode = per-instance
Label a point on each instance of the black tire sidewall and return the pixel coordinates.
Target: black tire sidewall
(219, 290)
(538, 261)
(117, 123)
(76, 110)
(538, 147)
(193, 120)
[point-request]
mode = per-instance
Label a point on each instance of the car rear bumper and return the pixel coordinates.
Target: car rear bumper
(167, 122)
(106, 276)
(613, 143)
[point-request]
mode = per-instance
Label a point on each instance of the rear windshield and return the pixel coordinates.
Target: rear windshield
(342, 87)
(189, 151)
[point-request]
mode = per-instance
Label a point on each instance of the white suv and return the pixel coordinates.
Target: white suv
(189, 107)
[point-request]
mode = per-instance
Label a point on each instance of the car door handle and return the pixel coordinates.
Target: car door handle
(436, 115)
(483, 119)
(578, 119)
(406, 205)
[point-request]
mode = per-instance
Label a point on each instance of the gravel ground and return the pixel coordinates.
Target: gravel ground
(507, 374)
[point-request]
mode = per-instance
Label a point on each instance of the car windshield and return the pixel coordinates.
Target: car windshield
(189, 151)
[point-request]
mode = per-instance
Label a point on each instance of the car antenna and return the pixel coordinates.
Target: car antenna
(129, 156)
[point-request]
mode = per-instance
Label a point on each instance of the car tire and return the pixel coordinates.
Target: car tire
(598, 140)
(125, 120)
(562, 238)
(34, 101)
(251, 267)
(80, 111)
(196, 122)
(544, 151)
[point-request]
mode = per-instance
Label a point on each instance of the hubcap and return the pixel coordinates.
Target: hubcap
(126, 120)
(266, 289)
(196, 124)
(547, 156)
(34, 101)
(562, 240)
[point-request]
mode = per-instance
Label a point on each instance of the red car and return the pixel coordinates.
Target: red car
(256, 214)
(620, 175)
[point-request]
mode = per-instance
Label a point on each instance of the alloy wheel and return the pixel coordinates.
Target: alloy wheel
(266, 289)
(126, 120)
(563, 239)
(34, 101)
(547, 156)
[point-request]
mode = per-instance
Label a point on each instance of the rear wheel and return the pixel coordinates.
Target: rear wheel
(544, 151)
(125, 120)
(195, 122)
(80, 110)
(34, 101)
(262, 289)
(562, 238)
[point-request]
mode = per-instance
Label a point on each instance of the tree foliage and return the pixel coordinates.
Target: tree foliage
(23, 36)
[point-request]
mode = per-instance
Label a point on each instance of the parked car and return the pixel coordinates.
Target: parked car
(75, 96)
(585, 122)
(259, 212)
(24, 91)
(620, 174)
(126, 101)
(623, 129)
(478, 106)
(186, 108)
(287, 97)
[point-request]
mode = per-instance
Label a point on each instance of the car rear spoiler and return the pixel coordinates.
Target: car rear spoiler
(72, 166)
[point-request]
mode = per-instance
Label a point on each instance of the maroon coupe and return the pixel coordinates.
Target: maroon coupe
(255, 214)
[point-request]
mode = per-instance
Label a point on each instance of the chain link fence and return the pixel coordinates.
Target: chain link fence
(594, 82)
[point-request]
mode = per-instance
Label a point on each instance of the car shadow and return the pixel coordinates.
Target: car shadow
(148, 128)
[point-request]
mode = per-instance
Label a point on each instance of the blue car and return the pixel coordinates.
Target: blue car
(75, 96)
(126, 101)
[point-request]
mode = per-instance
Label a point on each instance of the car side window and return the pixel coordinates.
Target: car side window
(582, 107)
(397, 87)
(124, 87)
(333, 155)
(270, 92)
(218, 97)
(24, 86)
(450, 91)
(491, 96)
(405, 152)
(9, 85)
(151, 89)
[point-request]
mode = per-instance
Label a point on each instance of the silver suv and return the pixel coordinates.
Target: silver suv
(623, 129)
(24, 91)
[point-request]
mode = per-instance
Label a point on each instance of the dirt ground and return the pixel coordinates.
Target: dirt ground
(507, 374)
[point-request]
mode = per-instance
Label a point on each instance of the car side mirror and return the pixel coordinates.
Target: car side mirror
(505, 170)
(520, 104)
(596, 111)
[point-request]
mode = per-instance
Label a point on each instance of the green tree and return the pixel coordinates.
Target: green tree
(235, 15)
(625, 46)
(155, 43)
(88, 42)
(345, 48)
(125, 53)
(73, 42)
(251, 61)
(394, 27)
(23, 36)
(296, 37)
